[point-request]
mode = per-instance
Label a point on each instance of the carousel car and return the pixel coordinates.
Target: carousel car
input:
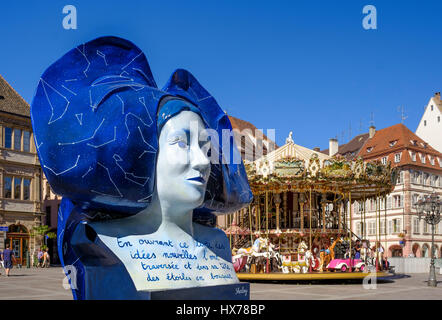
(344, 264)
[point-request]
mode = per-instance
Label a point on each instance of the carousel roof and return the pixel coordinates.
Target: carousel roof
(296, 168)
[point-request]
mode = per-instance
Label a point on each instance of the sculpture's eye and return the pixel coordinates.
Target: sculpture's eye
(180, 141)
(182, 144)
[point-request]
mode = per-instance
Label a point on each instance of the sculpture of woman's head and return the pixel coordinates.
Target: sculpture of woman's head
(108, 139)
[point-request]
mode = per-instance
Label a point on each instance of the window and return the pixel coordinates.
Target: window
(398, 201)
(425, 122)
(438, 118)
(8, 187)
(17, 188)
(389, 202)
(26, 189)
(426, 179)
(414, 199)
(416, 226)
(413, 156)
(8, 138)
(369, 149)
(400, 178)
(431, 160)
(396, 225)
(397, 157)
(423, 158)
(393, 143)
(383, 229)
(26, 141)
(384, 160)
(17, 139)
(426, 228)
(431, 107)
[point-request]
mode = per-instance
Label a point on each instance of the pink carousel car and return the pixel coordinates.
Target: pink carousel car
(344, 264)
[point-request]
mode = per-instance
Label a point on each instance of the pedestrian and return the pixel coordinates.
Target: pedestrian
(46, 258)
(8, 257)
(40, 257)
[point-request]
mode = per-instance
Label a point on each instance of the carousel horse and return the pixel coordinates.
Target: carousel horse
(261, 250)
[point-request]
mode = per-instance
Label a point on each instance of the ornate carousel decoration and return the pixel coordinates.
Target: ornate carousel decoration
(301, 216)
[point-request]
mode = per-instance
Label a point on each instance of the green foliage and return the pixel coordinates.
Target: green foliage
(43, 230)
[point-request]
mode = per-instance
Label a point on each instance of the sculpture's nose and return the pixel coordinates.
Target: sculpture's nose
(199, 160)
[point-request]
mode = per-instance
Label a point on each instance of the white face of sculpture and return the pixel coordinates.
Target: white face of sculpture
(183, 165)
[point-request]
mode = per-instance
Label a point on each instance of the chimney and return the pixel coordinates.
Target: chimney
(371, 131)
(333, 147)
(317, 149)
(437, 96)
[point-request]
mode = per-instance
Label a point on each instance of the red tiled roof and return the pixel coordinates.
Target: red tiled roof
(397, 139)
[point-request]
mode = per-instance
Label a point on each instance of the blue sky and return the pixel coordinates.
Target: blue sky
(302, 66)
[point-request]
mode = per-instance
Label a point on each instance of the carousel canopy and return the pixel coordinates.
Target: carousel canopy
(299, 169)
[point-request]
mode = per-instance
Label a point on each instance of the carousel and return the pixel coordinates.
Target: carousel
(299, 225)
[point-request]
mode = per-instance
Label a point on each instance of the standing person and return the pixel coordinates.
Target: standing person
(8, 258)
(40, 258)
(46, 258)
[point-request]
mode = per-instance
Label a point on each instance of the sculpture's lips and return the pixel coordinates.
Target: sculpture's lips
(197, 179)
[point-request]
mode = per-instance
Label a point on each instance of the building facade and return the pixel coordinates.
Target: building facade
(20, 176)
(419, 166)
(430, 126)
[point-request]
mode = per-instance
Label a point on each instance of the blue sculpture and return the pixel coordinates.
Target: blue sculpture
(143, 172)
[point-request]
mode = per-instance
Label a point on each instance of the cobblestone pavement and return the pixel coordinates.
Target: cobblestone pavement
(47, 284)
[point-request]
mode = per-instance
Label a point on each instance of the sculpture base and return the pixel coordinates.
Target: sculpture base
(236, 291)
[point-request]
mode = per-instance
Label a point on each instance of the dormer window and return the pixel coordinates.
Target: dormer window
(392, 143)
(413, 142)
(431, 160)
(369, 149)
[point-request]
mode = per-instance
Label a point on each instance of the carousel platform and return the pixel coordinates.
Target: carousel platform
(276, 276)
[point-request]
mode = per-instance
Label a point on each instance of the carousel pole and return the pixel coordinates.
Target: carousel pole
(385, 223)
(363, 218)
(310, 227)
(351, 234)
(377, 235)
(310, 221)
(323, 212)
(267, 228)
(258, 214)
(340, 217)
(284, 204)
(302, 202)
(267, 213)
(379, 226)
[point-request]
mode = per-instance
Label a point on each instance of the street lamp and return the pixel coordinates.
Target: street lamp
(429, 208)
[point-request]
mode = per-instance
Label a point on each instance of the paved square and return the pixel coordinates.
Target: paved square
(47, 284)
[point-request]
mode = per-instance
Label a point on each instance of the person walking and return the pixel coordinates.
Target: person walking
(46, 258)
(40, 258)
(8, 258)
